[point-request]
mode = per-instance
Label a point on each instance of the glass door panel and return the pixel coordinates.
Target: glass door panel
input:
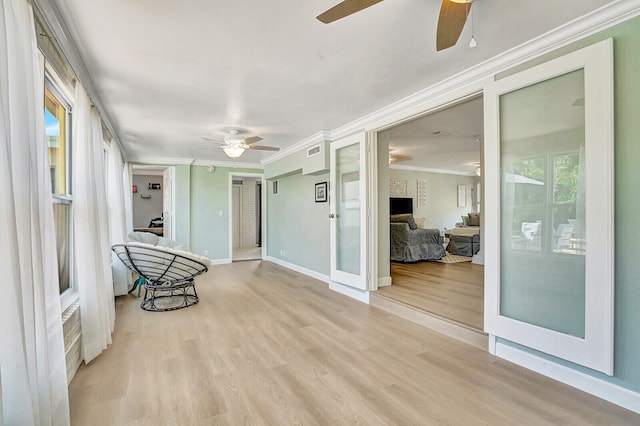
(542, 164)
(347, 199)
(549, 245)
(347, 203)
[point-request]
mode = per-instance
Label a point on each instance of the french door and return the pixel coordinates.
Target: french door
(347, 211)
(549, 202)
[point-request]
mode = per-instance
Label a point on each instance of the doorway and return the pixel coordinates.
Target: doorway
(152, 203)
(245, 224)
(431, 166)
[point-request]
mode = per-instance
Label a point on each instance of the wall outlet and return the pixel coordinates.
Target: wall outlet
(283, 253)
(206, 252)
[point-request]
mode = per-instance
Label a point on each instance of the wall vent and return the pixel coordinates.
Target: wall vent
(314, 150)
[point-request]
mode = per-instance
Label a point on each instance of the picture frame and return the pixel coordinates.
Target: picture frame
(321, 192)
(462, 196)
(153, 186)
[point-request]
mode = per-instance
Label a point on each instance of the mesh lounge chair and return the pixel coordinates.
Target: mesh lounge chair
(168, 274)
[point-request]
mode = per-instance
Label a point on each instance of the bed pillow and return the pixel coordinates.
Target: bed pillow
(407, 217)
(474, 219)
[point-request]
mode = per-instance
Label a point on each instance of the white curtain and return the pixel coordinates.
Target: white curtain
(117, 219)
(32, 363)
(91, 229)
(127, 180)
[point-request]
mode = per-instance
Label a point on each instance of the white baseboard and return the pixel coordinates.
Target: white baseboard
(478, 258)
(220, 261)
(600, 388)
(302, 270)
(354, 293)
(384, 281)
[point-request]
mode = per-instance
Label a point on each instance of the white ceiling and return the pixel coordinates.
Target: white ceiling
(447, 140)
(169, 72)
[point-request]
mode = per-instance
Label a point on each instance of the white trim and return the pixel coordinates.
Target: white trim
(359, 280)
(492, 344)
(384, 281)
(585, 382)
(352, 292)
(431, 170)
(220, 261)
(299, 146)
(595, 350)
(229, 164)
(167, 161)
(469, 81)
(304, 271)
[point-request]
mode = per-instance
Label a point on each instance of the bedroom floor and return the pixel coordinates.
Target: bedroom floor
(454, 291)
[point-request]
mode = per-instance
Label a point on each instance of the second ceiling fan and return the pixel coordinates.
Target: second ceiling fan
(453, 15)
(234, 144)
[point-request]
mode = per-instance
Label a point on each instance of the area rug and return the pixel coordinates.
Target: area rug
(454, 258)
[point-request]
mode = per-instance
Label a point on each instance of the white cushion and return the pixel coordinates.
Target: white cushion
(144, 237)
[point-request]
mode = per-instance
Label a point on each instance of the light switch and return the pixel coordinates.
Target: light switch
(220, 213)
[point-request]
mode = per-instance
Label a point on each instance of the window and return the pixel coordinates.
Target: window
(57, 114)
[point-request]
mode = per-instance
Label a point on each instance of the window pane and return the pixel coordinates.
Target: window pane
(542, 256)
(55, 118)
(62, 217)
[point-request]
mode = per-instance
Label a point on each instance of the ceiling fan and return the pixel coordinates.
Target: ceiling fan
(398, 157)
(453, 15)
(234, 144)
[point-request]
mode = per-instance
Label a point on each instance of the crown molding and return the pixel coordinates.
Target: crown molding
(431, 170)
(164, 161)
(471, 79)
(161, 161)
(228, 164)
(321, 136)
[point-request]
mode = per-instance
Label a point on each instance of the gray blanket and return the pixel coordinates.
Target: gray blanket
(413, 245)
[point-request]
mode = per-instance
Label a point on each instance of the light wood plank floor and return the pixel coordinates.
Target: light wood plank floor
(266, 345)
(454, 291)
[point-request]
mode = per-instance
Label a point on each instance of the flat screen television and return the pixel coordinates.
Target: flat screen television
(400, 205)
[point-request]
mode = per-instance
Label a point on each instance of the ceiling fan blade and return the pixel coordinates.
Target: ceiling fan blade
(345, 8)
(450, 23)
(213, 140)
(399, 157)
(252, 139)
(264, 148)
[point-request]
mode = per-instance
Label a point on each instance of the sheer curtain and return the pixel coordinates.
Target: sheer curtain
(33, 371)
(91, 230)
(128, 197)
(117, 221)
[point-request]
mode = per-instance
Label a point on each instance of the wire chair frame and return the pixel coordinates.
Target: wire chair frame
(169, 276)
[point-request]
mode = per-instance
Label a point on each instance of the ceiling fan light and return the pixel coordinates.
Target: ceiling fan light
(233, 151)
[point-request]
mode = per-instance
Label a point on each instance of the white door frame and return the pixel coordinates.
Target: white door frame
(263, 219)
(146, 169)
(339, 278)
(445, 100)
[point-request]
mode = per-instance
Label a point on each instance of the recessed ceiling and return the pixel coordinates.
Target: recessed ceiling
(170, 72)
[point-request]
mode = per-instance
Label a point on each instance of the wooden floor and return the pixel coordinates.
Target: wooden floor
(454, 291)
(269, 346)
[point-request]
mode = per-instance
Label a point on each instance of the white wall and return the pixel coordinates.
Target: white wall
(145, 209)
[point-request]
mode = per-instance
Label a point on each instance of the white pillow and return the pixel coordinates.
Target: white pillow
(144, 237)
